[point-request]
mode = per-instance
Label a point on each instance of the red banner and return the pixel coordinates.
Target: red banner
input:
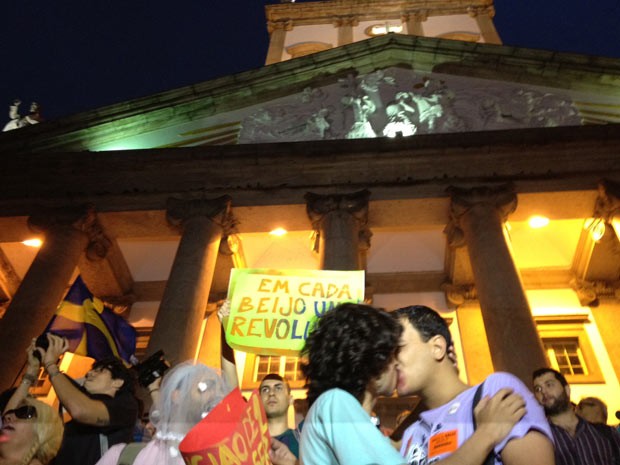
(234, 432)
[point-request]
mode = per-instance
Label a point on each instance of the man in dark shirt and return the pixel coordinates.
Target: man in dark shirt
(103, 411)
(577, 442)
(275, 394)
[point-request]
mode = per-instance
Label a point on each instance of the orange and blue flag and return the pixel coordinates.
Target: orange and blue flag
(91, 328)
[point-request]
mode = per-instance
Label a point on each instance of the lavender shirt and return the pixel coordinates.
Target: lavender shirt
(440, 431)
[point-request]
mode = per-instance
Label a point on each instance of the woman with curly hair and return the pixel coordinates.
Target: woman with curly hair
(31, 434)
(351, 355)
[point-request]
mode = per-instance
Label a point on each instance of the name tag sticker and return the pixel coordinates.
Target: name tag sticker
(443, 443)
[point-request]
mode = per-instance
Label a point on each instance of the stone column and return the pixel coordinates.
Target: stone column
(67, 233)
(477, 220)
(345, 29)
(413, 21)
(607, 317)
(478, 361)
(484, 17)
(340, 221)
(183, 305)
(277, 35)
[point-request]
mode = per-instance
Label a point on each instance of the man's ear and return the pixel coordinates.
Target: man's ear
(117, 383)
(439, 347)
(291, 399)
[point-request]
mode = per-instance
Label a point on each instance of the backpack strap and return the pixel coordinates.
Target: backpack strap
(103, 443)
(490, 460)
(130, 452)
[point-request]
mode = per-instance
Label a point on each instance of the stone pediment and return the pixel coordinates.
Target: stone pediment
(396, 102)
(390, 86)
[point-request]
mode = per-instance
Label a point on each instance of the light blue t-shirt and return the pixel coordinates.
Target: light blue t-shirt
(337, 431)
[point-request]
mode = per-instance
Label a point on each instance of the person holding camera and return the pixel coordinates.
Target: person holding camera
(103, 411)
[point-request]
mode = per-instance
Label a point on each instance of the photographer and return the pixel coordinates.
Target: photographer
(103, 411)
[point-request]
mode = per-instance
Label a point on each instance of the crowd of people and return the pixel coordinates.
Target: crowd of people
(355, 354)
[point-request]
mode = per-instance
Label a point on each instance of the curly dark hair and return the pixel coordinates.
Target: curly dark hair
(349, 346)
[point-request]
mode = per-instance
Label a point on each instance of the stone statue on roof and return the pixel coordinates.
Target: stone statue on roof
(17, 121)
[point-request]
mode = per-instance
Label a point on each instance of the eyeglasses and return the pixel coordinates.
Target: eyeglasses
(25, 412)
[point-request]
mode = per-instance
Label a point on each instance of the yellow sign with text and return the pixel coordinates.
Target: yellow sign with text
(272, 311)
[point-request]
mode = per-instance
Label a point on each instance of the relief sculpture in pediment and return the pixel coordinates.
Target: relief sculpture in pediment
(400, 103)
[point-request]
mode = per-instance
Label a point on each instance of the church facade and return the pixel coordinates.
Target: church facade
(396, 137)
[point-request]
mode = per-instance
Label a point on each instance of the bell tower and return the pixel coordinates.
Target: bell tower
(298, 29)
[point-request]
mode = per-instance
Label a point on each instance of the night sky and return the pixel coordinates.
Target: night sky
(72, 56)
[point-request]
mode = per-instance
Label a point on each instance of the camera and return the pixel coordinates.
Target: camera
(152, 368)
(41, 342)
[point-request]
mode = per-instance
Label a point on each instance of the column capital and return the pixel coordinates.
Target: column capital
(474, 11)
(365, 235)
(342, 21)
(319, 205)
(44, 219)
(415, 15)
(218, 210)
(282, 24)
(230, 245)
(457, 295)
(81, 218)
(503, 199)
(589, 292)
(608, 201)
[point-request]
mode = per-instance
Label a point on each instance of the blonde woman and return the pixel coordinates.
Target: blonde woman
(31, 434)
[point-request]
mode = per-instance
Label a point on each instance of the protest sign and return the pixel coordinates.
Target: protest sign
(272, 311)
(235, 432)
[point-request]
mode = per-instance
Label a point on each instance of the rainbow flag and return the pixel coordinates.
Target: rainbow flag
(91, 328)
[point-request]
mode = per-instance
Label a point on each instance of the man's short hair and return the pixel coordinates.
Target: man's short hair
(276, 377)
(542, 371)
(119, 371)
(596, 401)
(426, 321)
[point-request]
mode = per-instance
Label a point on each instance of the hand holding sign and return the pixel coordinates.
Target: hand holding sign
(223, 312)
(272, 311)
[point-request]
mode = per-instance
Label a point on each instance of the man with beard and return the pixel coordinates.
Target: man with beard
(577, 442)
(275, 393)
